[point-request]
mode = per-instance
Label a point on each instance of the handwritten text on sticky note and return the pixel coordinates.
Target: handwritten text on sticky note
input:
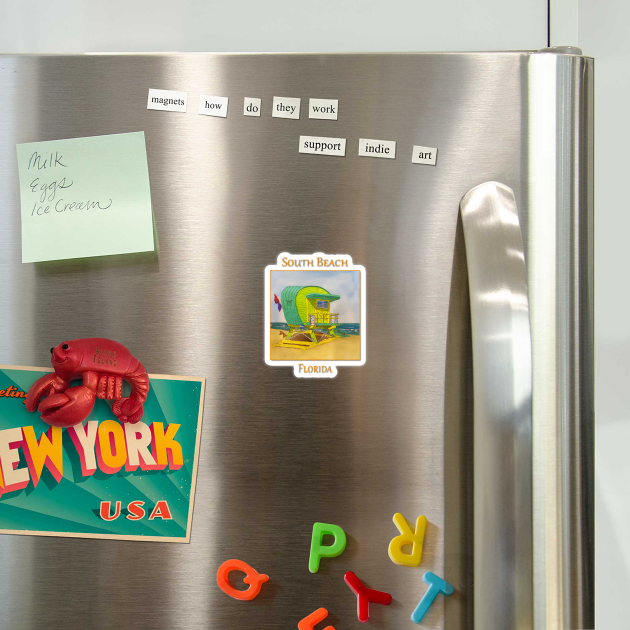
(85, 197)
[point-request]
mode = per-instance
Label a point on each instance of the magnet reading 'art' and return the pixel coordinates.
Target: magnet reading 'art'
(252, 577)
(102, 364)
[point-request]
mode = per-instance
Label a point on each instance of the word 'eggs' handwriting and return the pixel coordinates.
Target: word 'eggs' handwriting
(48, 190)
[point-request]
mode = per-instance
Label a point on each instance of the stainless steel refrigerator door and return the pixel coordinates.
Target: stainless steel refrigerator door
(278, 453)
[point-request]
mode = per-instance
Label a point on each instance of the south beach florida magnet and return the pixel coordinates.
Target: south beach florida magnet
(315, 314)
(100, 478)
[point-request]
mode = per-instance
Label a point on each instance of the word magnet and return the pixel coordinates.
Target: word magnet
(251, 106)
(252, 577)
(213, 106)
(167, 100)
(285, 107)
(315, 313)
(323, 108)
(322, 146)
(407, 537)
(424, 155)
(377, 148)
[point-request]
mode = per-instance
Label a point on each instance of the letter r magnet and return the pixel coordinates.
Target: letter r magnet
(407, 537)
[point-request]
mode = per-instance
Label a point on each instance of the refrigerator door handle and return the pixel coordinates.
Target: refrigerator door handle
(502, 374)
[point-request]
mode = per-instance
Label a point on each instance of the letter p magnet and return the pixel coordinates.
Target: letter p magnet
(319, 551)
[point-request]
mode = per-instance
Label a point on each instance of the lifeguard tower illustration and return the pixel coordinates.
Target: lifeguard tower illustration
(307, 313)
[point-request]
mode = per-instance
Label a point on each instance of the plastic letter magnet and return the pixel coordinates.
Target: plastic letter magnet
(308, 623)
(436, 586)
(365, 596)
(319, 551)
(407, 537)
(252, 577)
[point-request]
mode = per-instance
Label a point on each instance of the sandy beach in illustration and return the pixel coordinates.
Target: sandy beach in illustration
(343, 349)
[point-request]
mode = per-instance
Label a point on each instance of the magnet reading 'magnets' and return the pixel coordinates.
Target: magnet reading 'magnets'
(103, 364)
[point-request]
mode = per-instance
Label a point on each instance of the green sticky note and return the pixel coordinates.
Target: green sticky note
(85, 197)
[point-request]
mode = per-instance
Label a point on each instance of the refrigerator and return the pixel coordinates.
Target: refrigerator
(470, 401)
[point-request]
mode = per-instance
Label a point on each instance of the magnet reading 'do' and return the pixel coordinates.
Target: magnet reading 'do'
(315, 313)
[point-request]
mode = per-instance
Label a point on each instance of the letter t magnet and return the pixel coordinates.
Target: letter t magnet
(407, 537)
(436, 586)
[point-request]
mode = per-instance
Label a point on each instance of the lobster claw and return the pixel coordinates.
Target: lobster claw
(43, 386)
(128, 410)
(68, 408)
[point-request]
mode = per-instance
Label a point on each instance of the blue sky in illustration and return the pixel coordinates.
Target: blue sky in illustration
(347, 284)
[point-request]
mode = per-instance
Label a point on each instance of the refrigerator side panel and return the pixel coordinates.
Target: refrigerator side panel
(559, 254)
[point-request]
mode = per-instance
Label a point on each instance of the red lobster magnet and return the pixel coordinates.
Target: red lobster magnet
(103, 364)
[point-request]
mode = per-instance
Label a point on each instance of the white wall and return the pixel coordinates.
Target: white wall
(604, 29)
(270, 25)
